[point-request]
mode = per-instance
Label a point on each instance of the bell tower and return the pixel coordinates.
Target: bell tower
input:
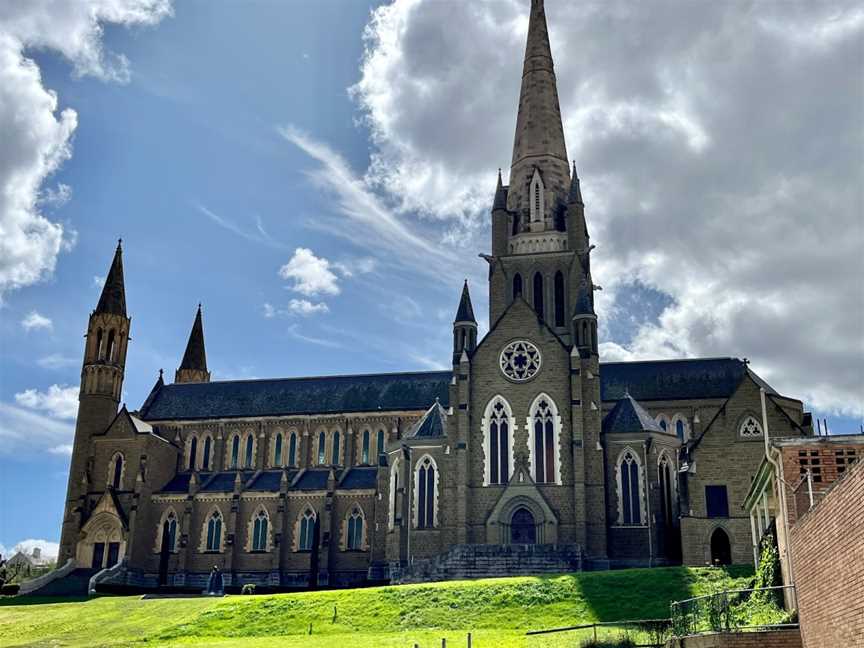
(102, 376)
(540, 250)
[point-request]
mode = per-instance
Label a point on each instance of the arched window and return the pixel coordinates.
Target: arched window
(109, 355)
(235, 450)
(354, 530)
(516, 225)
(364, 455)
(380, 447)
(425, 494)
(559, 298)
(394, 491)
(663, 422)
(205, 460)
(665, 473)
(250, 448)
(115, 471)
(306, 531)
(543, 425)
(193, 451)
(679, 429)
(292, 450)
(629, 489)
(517, 285)
(322, 448)
(214, 532)
(497, 442)
(277, 450)
(537, 206)
(259, 531)
(99, 349)
(167, 532)
(335, 453)
(538, 294)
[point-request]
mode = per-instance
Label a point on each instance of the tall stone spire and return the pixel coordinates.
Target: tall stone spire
(113, 298)
(193, 368)
(464, 327)
(539, 141)
(465, 312)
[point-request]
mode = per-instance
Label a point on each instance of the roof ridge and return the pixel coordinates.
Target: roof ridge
(326, 377)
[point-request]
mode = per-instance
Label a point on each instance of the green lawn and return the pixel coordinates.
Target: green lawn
(497, 612)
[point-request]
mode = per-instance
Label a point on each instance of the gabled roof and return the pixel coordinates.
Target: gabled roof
(297, 396)
(628, 416)
(223, 482)
(313, 479)
(270, 481)
(432, 425)
(673, 379)
(180, 482)
(360, 478)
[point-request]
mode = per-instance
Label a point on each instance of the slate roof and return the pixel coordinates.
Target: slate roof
(180, 483)
(313, 479)
(431, 425)
(674, 379)
(629, 416)
(644, 381)
(223, 482)
(297, 396)
(269, 481)
(360, 478)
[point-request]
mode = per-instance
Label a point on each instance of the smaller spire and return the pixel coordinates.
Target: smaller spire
(193, 368)
(575, 195)
(113, 297)
(465, 313)
(500, 195)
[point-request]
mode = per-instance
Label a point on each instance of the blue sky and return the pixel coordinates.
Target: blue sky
(323, 195)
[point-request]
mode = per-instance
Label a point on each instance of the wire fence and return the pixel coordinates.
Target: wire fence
(733, 610)
(643, 633)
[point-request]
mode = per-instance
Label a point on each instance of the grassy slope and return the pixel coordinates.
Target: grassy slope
(498, 612)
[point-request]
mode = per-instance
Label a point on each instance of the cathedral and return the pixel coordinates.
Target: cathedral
(529, 456)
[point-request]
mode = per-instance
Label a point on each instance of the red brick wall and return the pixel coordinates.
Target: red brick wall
(769, 639)
(827, 462)
(828, 561)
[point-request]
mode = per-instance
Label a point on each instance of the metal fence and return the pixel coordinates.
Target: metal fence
(733, 610)
(643, 633)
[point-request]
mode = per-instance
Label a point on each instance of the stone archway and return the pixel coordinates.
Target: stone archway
(102, 543)
(521, 493)
(721, 549)
(523, 528)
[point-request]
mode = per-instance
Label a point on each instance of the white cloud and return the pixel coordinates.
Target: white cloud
(295, 332)
(311, 275)
(24, 431)
(64, 449)
(708, 175)
(269, 311)
(305, 308)
(98, 282)
(59, 401)
(37, 134)
(50, 550)
(34, 321)
(57, 361)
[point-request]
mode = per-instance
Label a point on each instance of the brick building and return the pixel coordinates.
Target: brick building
(528, 442)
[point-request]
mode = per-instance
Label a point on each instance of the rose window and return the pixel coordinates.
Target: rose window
(520, 361)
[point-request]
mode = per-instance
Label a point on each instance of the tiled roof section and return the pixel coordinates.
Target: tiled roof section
(179, 483)
(629, 416)
(295, 396)
(672, 379)
(223, 482)
(269, 481)
(360, 478)
(431, 425)
(313, 479)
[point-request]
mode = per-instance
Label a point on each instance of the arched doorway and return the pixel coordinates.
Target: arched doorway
(523, 530)
(721, 551)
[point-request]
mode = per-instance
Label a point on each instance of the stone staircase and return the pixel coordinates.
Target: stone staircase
(75, 583)
(491, 561)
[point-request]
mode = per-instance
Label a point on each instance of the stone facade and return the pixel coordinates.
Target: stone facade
(529, 451)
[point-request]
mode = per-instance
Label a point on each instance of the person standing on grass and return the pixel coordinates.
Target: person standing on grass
(215, 584)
